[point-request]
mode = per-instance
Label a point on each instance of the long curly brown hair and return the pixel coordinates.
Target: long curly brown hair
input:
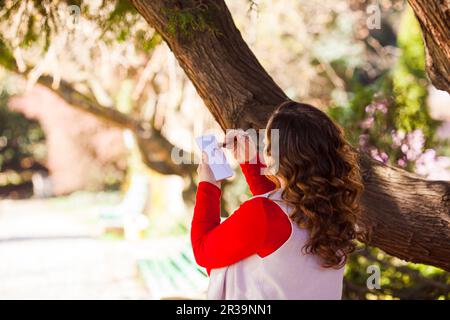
(322, 180)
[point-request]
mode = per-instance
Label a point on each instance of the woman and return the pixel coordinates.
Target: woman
(292, 239)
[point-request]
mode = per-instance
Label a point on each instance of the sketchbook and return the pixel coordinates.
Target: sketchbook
(217, 160)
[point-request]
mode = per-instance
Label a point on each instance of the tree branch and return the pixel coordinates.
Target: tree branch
(434, 18)
(155, 149)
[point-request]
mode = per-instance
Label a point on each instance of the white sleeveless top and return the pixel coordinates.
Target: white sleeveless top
(286, 274)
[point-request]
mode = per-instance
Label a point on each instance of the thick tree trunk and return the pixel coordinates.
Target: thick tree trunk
(434, 18)
(408, 216)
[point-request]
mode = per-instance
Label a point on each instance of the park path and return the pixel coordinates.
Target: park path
(50, 252)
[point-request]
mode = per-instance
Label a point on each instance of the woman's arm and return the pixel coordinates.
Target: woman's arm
(243, 234)
(257, 182)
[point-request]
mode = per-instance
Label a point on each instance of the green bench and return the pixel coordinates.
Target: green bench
(174, 276)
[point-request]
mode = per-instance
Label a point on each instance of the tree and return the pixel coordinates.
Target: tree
(435, 23)
(234, 87)
(408, 217)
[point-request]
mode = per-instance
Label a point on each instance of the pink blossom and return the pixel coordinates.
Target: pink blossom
(401, 162)
(367, 123)
(416, 142)
(397, 138)
(433, 167)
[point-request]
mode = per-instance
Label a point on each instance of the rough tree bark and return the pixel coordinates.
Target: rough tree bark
(434, 18)
(408, 216)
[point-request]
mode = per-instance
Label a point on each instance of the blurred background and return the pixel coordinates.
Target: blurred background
(92, 101)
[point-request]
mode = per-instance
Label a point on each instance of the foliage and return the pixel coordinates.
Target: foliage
(20, 138)
(185, 21)
(6, 57)
(389, 119)
(22, 148)
(38, 23)
(399, 280)
(409, 79)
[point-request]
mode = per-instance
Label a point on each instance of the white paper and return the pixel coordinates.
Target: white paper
(217, 160)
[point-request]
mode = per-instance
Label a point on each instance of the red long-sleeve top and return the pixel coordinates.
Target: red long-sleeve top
(258, 226)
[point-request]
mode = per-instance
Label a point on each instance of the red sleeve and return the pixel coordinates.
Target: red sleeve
(244, 233)
(257, 182)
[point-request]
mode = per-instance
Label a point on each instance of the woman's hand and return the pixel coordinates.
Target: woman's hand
(241, 144)
(204, 172)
